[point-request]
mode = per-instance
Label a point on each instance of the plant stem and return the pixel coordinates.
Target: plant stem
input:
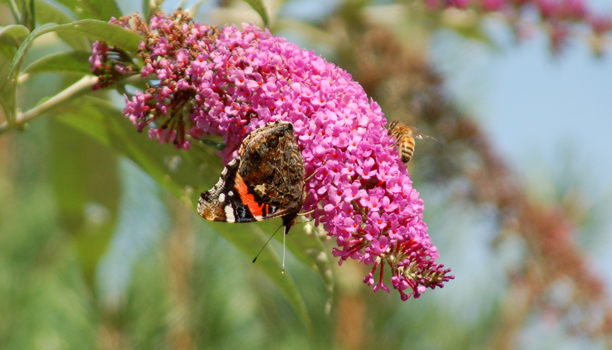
(82, 86)
(15, 11)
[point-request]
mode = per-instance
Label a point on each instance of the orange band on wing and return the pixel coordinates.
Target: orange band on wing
(248, 199)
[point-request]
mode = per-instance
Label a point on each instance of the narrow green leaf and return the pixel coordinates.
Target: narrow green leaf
(248, 238)
(146, 9)
(14, 10)
(193, 10)
(62, 62)
(48, 13)
(20, 54)
(469, 27)
(259, 6)
(93, 9)
(313, 34)
(298, 241)
(87, 192)
(28, 17)
(308, 248)
(11, 38)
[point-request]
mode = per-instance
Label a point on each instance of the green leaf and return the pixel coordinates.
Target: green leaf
(477, 33)
(14, 10)
(93, 9)
(28, 18)
(186, 174)
(193, 10)
(312, 33)
(310, 249)
(11, 38)
(248, 238)
(258, 6)
(47, 13)
(146, 10)
(62, 62)
(87, 192)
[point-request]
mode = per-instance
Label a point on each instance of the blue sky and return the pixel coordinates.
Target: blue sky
(536, 107)
(537, 103)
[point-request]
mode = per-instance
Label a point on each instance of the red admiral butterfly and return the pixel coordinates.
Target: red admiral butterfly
(265, 181)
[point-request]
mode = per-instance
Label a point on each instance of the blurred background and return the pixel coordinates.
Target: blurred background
(95, 253)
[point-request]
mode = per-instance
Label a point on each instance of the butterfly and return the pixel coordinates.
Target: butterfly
(265, 181)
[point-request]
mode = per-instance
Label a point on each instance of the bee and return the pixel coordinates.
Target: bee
(404, 136)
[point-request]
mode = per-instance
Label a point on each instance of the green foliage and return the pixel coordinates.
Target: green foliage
(11, 38)
(259, 6)
(94, 9)
(86, 192)
(47, 13)
(61, 62)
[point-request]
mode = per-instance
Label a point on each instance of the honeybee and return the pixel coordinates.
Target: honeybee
(404, 135)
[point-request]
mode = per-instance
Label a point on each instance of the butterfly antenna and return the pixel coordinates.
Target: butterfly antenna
(268, 241)
(284, 238)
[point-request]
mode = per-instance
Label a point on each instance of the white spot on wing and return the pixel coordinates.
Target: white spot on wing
(229, 214)
(232, 162)
(231, 193)
(219, 183)
(222, 197)
(224, 172)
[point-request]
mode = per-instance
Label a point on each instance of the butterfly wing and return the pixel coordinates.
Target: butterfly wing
(231, 200)
(266, 181)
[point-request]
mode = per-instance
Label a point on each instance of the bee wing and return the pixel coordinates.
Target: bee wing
(418, 135)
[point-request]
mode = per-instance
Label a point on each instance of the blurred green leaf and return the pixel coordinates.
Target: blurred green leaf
(476, 33)
(186, 174)
(87, 192)
(14, 10)
(193, 10)
(94, 9)
(28, 18)
(259, 6)
(308, 248)
(64, 62)
(249, 239)
(146, 9)
(48, 13)
(11, 38)
(466, 24)
(316, 256)
(313, 34)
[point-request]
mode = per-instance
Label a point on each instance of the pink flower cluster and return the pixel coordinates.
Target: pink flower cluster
(556, 15)
(231, 82)
(109, 64)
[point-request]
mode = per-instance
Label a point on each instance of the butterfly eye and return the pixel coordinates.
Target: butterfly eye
(273, 142)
